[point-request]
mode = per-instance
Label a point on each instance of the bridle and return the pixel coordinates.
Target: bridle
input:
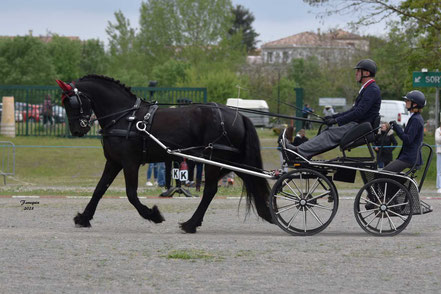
(74, 97)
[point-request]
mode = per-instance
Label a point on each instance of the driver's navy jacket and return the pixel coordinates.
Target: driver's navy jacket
(412, 137)
(366, 107)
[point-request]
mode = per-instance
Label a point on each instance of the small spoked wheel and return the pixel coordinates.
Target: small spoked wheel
(303, 202)
(383, 207)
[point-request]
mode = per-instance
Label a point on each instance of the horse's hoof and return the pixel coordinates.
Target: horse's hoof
(188, 227)
(156, 215)
(81, 222)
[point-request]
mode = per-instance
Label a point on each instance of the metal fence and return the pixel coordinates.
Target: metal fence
(7, 155)
(29, 106)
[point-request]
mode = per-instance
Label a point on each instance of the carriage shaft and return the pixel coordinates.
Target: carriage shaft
(199, 159)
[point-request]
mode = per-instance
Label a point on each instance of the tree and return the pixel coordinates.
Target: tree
(422, 18)
(170, 73)
(391, 55)
(126, 61)
(171, 27)
(66, 57)
(426, 12)
(93, 58)
(25, 61)
(242, 24)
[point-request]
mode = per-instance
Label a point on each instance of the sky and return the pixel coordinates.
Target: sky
(88, 19)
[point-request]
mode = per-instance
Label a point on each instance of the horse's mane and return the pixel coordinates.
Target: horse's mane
(101, 77)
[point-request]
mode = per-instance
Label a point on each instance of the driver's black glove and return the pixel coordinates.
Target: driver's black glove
(329, 120)
(393, 124)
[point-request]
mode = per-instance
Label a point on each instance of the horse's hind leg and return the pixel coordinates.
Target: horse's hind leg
(212, 175)
(131, 178)
(111, 170)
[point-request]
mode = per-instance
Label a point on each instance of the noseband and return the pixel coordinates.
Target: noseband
(73, 96)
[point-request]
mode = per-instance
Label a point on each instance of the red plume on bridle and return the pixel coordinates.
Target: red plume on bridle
(66, 89)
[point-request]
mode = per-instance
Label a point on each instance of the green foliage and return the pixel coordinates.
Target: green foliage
(25, 60)
(171, 73)
(221, 84)
(66, 57)
(320, 79)
(93, 58)
(126, 60)
(391, 55)
(242, 25)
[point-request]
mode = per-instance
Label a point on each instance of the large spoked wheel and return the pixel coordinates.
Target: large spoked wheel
(383, 207)
(303, 202)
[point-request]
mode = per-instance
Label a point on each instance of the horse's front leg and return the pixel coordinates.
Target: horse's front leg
(212, 175)
(131, 178)
(111, 170)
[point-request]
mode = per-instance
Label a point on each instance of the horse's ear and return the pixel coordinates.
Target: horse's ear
(65, 87)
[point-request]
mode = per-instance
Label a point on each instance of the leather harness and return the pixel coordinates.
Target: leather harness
(107, 131)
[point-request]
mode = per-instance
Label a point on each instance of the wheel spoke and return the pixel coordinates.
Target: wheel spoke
(292, 190)
(304, 219)
(319, 196)
(367, 200)
(320, 206)
(398, 205)
(385, 192)
(399, 215)
(375, 193)
(285, 208)
(292, 218)
(381, 223)
(366, 225)
(286, 198)
(314, 186)
(393, 197)
(391, 222)
(311, 210)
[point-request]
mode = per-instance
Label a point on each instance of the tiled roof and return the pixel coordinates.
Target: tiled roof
(313, 39)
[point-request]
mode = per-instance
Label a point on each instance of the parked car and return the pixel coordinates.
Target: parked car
(18, 114)
(394, 110)
(33, 113)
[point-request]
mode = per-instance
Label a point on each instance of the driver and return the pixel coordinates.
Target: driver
(412, 135)
(366, 109)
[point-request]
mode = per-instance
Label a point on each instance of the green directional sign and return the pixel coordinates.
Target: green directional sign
(426, 79)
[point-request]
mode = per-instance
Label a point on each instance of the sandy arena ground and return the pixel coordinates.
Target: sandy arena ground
(42, 252)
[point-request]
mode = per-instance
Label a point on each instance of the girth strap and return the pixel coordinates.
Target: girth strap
(132, 117)
(120, 133)
(148, 119)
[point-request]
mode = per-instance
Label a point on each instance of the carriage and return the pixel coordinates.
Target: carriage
(305, 200)
(302, 201)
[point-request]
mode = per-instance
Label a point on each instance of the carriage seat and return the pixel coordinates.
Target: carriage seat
(357, 136)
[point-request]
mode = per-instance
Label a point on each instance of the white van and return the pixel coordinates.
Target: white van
(259, 120)
(394, 110)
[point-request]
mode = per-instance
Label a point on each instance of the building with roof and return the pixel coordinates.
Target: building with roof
(335, 45)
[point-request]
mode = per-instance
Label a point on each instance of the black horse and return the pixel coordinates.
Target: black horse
(216, 131)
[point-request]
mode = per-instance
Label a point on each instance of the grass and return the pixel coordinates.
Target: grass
(75, 165)
(192, 255)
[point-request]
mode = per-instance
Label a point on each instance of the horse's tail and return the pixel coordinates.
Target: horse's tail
(257, 189)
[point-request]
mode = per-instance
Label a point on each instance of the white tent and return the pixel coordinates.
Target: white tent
(259, 120)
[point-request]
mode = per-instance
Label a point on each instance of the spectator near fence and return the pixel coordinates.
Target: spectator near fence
(47, 110)
(438, 158)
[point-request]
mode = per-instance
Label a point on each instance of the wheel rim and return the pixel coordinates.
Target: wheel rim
(383, 207)
(300, 202)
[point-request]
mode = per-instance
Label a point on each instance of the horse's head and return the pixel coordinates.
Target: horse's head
(78, 108)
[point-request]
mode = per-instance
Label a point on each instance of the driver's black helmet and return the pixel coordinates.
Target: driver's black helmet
(367, 64)
(416, 97)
